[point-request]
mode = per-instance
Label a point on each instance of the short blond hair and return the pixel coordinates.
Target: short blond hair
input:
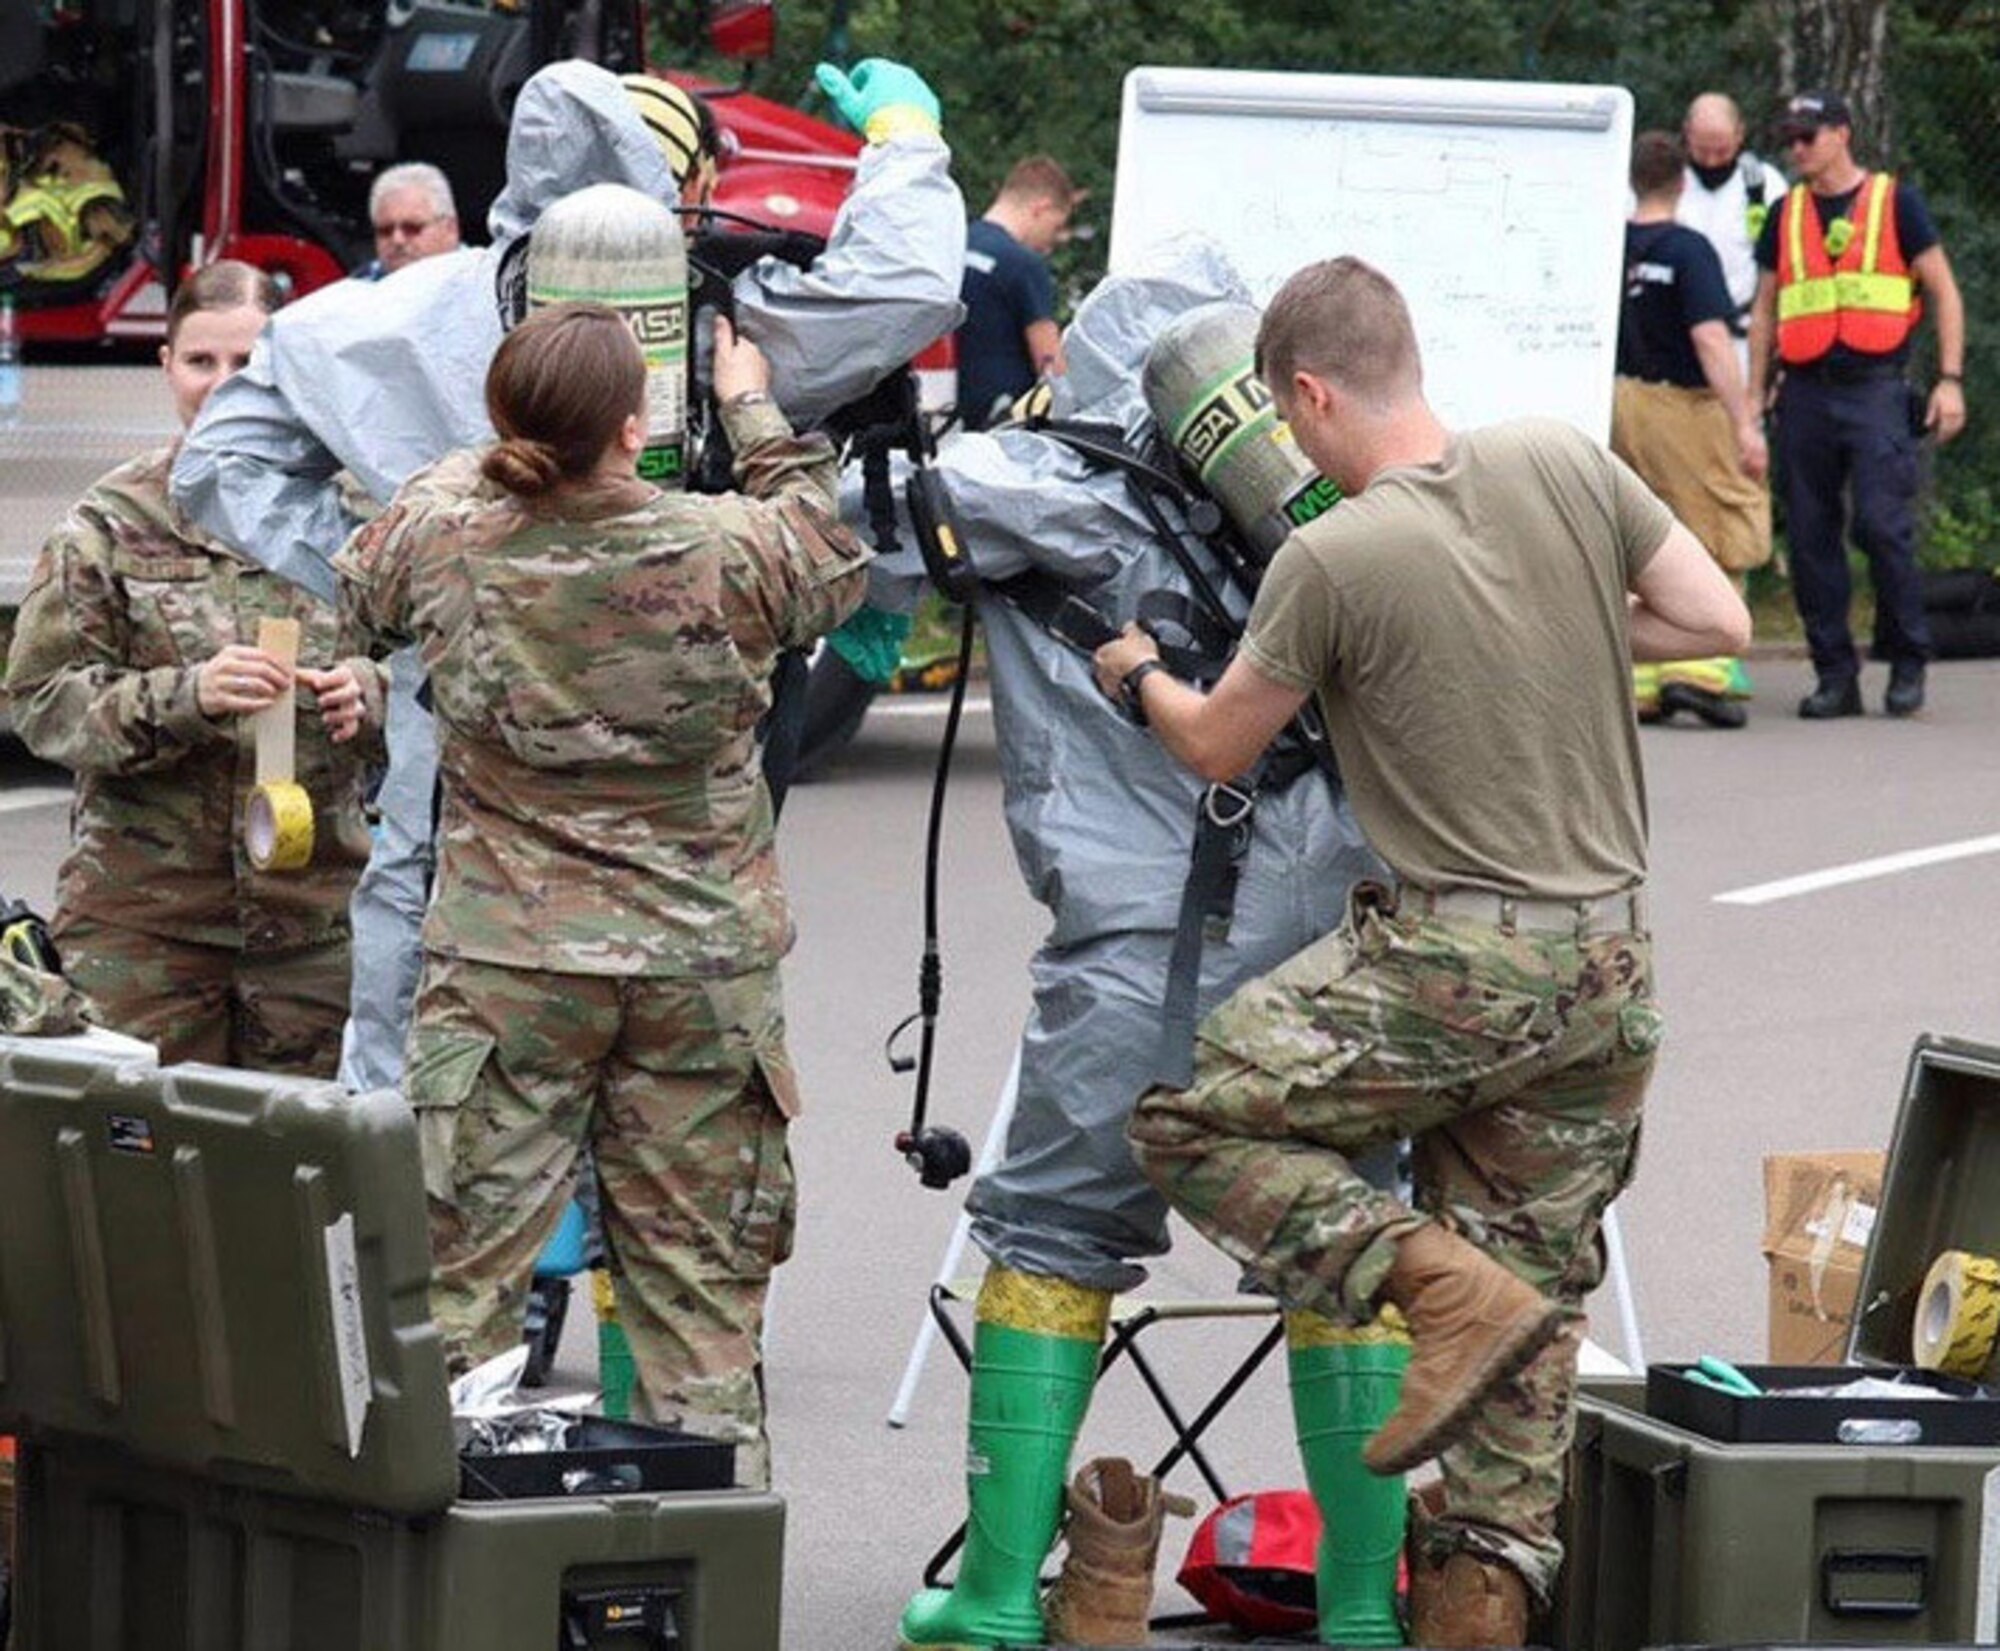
(1344, 321)
(1040, 178)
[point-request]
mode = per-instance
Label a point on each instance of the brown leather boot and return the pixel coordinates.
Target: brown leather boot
(1465, 1601)
(1105, 1592)
(1472, 1324)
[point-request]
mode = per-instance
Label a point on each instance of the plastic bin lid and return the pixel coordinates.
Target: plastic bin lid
(220, 1271)
(1937, 1192)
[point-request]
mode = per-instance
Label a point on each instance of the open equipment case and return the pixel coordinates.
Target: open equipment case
(1696, 1518)
(216, 1348)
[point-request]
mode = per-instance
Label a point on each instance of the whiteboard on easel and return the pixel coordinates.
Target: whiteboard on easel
(1498, 207)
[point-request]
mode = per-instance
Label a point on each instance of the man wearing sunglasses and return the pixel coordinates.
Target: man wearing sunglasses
(1849, 262)
(414, 216)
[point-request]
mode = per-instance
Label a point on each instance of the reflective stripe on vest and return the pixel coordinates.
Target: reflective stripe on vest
(1864, 299)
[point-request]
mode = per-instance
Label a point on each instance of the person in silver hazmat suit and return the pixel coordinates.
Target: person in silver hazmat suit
(1103, 823)
(382, 379)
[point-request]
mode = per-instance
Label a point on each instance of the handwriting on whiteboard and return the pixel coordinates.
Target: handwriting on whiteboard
(1506, 242)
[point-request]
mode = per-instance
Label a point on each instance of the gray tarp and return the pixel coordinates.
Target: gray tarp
(1102, 819)
(383, 378)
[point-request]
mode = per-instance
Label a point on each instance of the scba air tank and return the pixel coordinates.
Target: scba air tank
(1207, 397)
(612, 245)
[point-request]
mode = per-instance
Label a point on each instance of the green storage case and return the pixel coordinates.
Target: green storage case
(215, 1342)
(223, 1272)
(118, 1555)
(1940, 1191)
(1674, 1539)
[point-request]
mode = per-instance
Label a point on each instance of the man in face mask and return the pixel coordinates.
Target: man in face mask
(1727, 193)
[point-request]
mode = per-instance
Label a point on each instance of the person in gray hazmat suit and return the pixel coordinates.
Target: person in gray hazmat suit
(1103, 824)
(382, 379)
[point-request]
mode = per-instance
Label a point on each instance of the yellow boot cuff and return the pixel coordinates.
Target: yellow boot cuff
(1304, 1328)
(1043, 1306)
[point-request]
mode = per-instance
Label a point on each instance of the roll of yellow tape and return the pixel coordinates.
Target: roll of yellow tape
(278, 830)
(1958, 1314)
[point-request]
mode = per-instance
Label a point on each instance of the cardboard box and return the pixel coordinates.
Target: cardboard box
(1819, 1209)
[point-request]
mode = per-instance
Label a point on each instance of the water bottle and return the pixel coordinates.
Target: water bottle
(11, 373)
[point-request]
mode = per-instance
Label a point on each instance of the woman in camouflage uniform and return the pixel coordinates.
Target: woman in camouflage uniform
(601, 953)
(133, 664)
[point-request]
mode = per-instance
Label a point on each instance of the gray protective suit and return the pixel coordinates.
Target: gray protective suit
(1102, 818)
(380, 379)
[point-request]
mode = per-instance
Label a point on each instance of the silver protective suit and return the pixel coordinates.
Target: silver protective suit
(1102, 818)
(380, 379)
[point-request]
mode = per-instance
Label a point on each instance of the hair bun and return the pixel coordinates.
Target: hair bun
(523, 466)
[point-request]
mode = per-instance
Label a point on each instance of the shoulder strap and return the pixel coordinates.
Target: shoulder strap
(1105, 445)
(1754, 178)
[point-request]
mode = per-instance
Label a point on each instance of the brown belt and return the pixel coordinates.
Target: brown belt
(1620, 913)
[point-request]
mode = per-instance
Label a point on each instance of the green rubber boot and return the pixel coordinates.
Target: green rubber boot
(1034, 1362)
(1345, 1385)
(616, 1373)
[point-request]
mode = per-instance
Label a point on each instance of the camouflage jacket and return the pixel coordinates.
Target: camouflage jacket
(126, 601)
(598, 664)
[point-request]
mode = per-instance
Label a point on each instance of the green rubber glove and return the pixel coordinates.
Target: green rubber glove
(881, 99)
(871, 641)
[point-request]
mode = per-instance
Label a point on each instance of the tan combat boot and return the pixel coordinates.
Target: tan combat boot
(1472, 1324)
(1105, 1592)
(1464, 1601)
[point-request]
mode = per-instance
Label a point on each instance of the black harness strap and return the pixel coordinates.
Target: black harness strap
(1057, 608)
(1222, 825)
(1106, 445)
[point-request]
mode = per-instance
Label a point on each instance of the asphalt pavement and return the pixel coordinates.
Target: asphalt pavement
(1792, 1000)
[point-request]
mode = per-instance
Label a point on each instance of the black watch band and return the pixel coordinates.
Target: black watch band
(1129, 689)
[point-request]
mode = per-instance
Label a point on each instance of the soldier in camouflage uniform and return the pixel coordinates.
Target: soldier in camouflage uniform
(1496, 1005)
(601, 956)
(134, 665)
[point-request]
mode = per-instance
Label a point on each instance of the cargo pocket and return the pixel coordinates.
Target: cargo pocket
(764, 1210)
(444, 1063)
(1441, 1032)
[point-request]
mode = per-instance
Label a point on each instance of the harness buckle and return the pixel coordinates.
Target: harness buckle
(1228, 806)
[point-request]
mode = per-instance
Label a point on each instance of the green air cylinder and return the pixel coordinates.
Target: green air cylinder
(611, 245)
(1207, 397)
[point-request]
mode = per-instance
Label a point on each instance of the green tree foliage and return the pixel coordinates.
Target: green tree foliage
(1017, 76)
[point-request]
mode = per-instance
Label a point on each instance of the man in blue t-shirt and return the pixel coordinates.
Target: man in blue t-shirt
(1010, 338)
(1845, 277)
(1681, 416)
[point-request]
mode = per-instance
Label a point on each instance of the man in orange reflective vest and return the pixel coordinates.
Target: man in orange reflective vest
(1848, 262)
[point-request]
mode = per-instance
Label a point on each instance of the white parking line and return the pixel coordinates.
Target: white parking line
(1859, 871)
(33, 796)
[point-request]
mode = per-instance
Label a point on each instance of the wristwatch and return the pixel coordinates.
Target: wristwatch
(1130, 696)
(749, 398)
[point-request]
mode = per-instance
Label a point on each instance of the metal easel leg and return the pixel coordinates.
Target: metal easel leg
(1620, 1276)
(989, 1155)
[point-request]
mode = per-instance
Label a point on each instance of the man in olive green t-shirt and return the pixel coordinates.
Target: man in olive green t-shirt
(1467, 620)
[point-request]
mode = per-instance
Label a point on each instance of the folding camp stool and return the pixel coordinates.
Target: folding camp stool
(1130, 1320)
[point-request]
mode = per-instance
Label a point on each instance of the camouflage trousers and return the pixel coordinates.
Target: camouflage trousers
(682, 1089)
(263, 1011)
(1516, 1062)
